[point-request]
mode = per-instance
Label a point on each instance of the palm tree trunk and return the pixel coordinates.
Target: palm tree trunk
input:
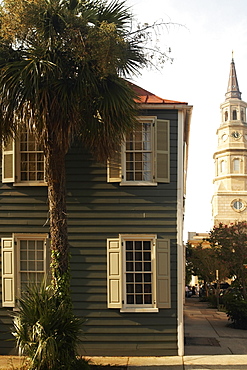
(55, 176)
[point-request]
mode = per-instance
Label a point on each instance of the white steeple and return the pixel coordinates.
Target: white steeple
(230, 196)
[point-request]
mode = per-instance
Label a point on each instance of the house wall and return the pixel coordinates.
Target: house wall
(98, 210)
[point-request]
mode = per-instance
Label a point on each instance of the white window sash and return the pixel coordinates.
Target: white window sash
(10, 251)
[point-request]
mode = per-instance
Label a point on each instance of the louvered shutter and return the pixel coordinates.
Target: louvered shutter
(162, 137)
(8, 162)
(114, 170)
(8, 273)
(114, 272)
(163, 273)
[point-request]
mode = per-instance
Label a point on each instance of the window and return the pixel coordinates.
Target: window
(242, 115)
(238, 205)
(23, 161)
(138, 273)
(25, 260)
(234, 114)
(144, 157)
(226, 115)
(138, 153)
(236, 165)
(222, 166)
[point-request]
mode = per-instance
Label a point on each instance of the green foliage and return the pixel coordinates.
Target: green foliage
(230, 244)
(236, 308)
(46, 330)
(203, 262)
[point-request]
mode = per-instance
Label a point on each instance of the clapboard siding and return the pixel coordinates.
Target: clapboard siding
(105, 210)
(98, 210)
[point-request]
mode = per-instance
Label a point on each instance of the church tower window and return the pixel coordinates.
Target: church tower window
(242, 115)
(226, 116)
(234, 115)
(222, 166)
(236, 165)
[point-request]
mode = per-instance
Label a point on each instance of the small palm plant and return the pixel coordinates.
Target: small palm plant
(46, 330)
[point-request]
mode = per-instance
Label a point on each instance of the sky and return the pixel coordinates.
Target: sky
(202, 38)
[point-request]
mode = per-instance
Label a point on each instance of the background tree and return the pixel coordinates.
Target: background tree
(64, 65)
(230, 244)
(204, 262)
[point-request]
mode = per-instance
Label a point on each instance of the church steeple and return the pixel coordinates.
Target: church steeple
(230, 195)
(233, 89)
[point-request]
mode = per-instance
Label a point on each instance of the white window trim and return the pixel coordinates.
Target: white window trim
(15, 275)
(160, 131)
(143, 119)
(161, 274)
(15, 180)
(17, 238)
(141, 308)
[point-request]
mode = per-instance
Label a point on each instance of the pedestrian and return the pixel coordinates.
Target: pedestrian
(193, 290)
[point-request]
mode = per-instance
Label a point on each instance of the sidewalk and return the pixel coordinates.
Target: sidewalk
(209, 345)
(209, 342)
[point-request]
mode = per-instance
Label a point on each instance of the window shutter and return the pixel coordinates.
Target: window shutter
(114, 171)
(8, 164)
(162, 136)
(163, 273)
(114, 271)
(8, 278)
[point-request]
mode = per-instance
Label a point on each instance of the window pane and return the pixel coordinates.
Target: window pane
(147, 266)
(138, 155)
(31, 255)
(31, 244)
(129, 266)
(129, 176)
(129, 256)
(23, 266)
(31, 158)
(138, 283)
(147, 256)
(138, 266)
(31, 266)
(138, 176)
(130, 299)
(40, 245)
(130, 288)
(138, 278)
(147, 278)
(148, 299)
(23, 255)
(129, 277)
(147, 245)
(40, 266)
(147, 288)
(138, 288)
(129, 245)
(139, 299)
(138, 256)
(138, 245)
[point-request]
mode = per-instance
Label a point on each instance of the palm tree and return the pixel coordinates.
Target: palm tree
(63, 74)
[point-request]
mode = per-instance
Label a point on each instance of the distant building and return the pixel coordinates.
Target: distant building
(229, 203)
(196, 239)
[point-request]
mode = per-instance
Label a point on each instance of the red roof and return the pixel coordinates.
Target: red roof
(146, 97)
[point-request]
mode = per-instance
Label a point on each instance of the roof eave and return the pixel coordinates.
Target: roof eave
(165, 106)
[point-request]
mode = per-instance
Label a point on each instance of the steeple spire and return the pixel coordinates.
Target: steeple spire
(233, 89)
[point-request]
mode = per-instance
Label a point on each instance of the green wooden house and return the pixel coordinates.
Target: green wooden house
(125, 222)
